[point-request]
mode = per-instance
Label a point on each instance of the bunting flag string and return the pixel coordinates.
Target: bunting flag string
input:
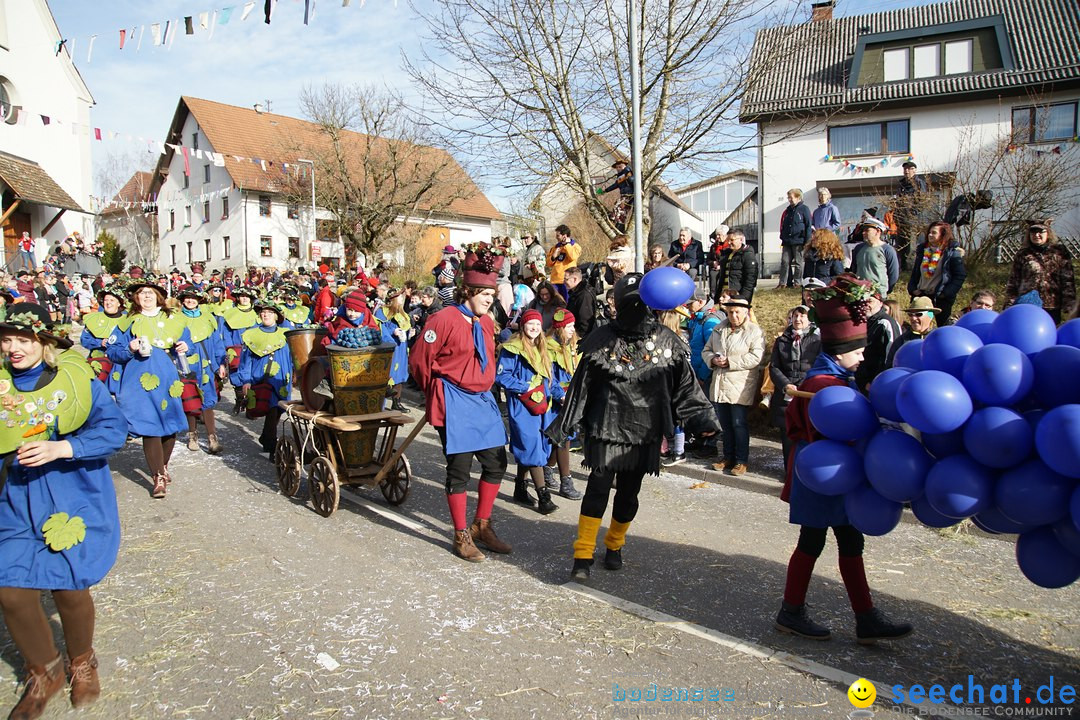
(870, 169)
(1042, 149)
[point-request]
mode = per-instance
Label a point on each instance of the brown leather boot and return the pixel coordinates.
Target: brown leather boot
(215, 444)
(464, 548)
(41, 684)
(483, 532)
(160, 486)
(85, 687)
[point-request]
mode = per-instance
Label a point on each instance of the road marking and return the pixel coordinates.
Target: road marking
(745, 647)
(390, 515)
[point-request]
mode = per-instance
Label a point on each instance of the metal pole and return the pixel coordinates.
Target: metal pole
(635, 135)
(314, 236)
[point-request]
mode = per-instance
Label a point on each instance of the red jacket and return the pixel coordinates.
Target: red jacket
(445, 353)
(325, 302)
(799, 427)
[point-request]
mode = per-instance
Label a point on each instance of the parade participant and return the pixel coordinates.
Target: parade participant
(150, 387)
(633, 384)
(206, 359)
(525, 373)
(232, 323)
(98, 327)
(454, 365)
(266, 360)
(841, 315)
(296, 315)
(563, 347)
(59, 525)
(353, 312)
(395, 326)
(326, 301)
(216, 301)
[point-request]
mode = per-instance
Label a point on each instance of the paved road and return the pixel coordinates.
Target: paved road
(232, 601)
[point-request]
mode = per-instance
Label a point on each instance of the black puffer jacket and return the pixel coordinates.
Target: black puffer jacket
(788, 365)
(742, 272)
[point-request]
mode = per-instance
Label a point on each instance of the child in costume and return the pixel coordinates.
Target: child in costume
(562, 344)
(395, 325)
(353, 312)
(206, 360)
(59, 525)
(525, 373)
(98, 327)
(265, 359)
(150, 387)
(634, 384)
(841, 317)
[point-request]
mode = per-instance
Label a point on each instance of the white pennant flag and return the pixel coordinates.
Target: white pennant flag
(155, 32)
(204, 20)
(142, 34)
(248, 7)
(219, 159)
(213, 24)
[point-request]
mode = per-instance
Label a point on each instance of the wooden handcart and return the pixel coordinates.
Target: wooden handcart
(353, 450)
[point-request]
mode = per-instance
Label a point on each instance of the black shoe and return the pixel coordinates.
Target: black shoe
(613, 559)
(872, 625)
(581, 569)
(545, 506)
(521, 494)
(396, 406)
(665, 457)
(705, 452)
(794, 620)
(674, 460)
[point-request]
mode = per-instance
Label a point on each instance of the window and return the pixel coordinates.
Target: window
(294, 247)
(206, 246)
(172, 254)
(226, 251)
(264, 206)
(187, 216)
(195, 140)
(172, 220)
(870, 139)
(8, 112)
(717, 199)
(206, 174)
(294, 211)
(927, 61)
(190, 257)
(1047, 123)
(225, 208)
(958, 56)
(206, 211)
(699, 202)
(896, 64)
(266, 248)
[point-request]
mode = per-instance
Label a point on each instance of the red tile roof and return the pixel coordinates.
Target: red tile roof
(136, 189)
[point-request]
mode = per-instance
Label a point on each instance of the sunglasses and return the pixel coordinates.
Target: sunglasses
(1037, 231)
(921, 313)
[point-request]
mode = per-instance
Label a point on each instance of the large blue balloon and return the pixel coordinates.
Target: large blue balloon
(883, 392)
(942, 445)
(1069, 333)
(925, 513)
(998, 437)
(896, 465)
(870, 513)
(666, 288)
(1057, 376)
(948, 348)
(1026, 327)
(959, 487)
(1033, 494)
(909, 355)
(1057, 439)
(993, 521)
(998, 374)
(1045, 561)
(933, 402)
(829, 467)
(840, 413)
(1068, 535)
(978, 322)
(1074, 507)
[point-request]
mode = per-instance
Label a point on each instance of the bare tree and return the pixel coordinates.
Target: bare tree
(122, 182)
(526, 81)
(376, 167)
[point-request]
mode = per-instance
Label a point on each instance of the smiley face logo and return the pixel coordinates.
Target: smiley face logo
(862, 693)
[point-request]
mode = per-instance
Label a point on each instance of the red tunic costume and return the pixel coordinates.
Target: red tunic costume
(799, 427)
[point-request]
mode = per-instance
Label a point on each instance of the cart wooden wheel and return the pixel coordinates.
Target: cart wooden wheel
(323, 482)
(395, 486)
(287, 463)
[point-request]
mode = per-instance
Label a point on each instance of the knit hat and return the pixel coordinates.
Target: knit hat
(840, 311)
(31, 318)
(562, 319)
(530, 315)
(355, 300)
(481, 266)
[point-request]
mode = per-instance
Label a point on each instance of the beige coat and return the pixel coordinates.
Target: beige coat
(744, 348)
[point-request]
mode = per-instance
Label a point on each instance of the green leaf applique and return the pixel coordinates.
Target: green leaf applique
(176, 389)
(164, 404)
(149, 381)
(62, 532)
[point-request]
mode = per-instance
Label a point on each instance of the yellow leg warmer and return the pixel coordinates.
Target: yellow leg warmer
(585, 545)
(616, 535)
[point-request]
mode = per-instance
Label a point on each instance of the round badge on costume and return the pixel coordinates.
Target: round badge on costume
(429, 336)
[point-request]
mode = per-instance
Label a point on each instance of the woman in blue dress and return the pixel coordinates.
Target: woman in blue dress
(296, 315)
(206, 360)
(150, 387)
(234, 321)
(99, 327)
(524, 371)
(395, 325)
(265, 358)
(59, 525)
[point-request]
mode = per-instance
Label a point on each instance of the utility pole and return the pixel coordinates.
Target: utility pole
(635, 134)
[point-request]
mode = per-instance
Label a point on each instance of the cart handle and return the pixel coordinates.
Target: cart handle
(400, 451)
(800, 393)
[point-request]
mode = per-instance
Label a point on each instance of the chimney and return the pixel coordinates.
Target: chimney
(822, 10)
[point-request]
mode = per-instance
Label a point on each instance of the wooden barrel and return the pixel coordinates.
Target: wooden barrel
(359, 377)
(305, 343)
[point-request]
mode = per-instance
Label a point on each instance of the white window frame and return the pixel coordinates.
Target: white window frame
(891, 60)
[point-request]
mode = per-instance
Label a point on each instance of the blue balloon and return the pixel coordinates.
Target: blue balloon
(1057, 376)
(993, 521)
(896, 465)
(1025, 327)
(666, 288)
(948, 348)
(840, 413)
(998, 437)
(933, 402)
(942, 445)
(1057, 438)
(1068, 535)
(1074, 507)
(1045, 561)
(979, 322)
(1033, 494)
(883, 392)
(829, 467)
(909, 355)
(1069, 333)
(959, 487)
(925, 513)
(998, 374)
(870, 513)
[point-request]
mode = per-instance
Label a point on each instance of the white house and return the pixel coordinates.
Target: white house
(847, 101)
(219, 193)
(45, 174)
(715, 199)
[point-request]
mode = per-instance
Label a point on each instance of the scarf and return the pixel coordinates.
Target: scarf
(477, 335)
(192, 313)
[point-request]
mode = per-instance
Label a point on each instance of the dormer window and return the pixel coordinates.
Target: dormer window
(927, 60)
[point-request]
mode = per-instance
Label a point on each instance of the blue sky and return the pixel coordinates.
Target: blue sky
(248, 62)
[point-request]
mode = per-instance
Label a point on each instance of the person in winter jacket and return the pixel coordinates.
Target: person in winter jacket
(793, 354)
(882, 331)
(824, 258)
(796, 224)
(688, 254)
(741, 270)
(938, 272)
(562, 255)
(1045, 266)
(826, 216)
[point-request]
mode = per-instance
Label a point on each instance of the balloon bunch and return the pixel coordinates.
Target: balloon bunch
(982, 421)
(358, 337)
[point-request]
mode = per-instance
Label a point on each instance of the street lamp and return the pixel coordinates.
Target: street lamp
(314, 237)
